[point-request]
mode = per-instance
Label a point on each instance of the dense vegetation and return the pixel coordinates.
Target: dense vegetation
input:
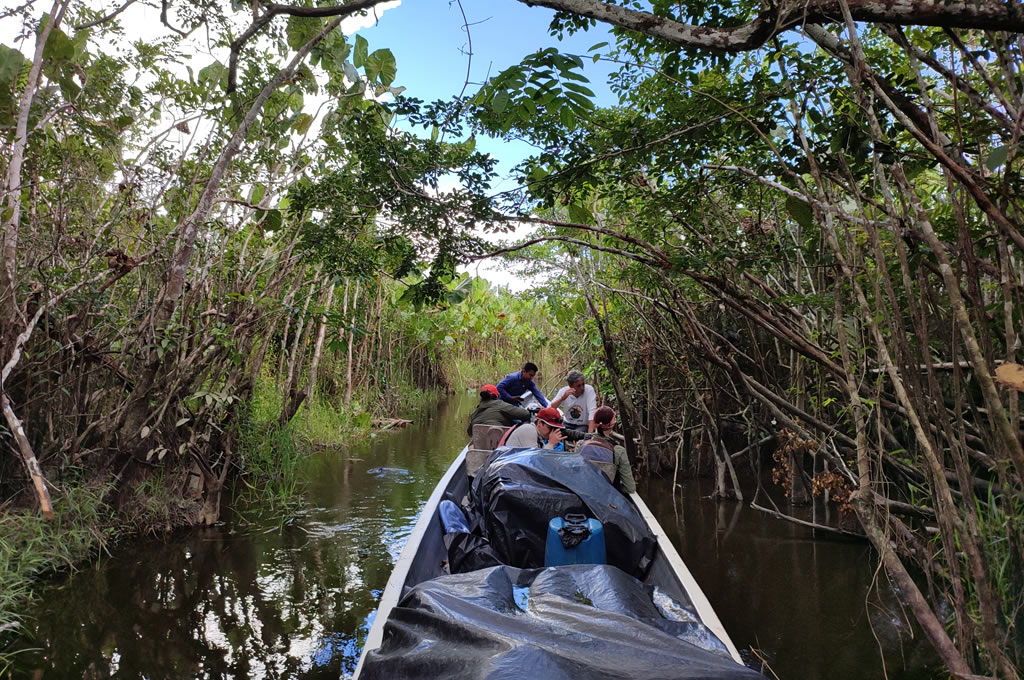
(799, 235)
(197, 289)
(813, 251)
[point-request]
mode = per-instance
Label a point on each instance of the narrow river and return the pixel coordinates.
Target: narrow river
(293, 599)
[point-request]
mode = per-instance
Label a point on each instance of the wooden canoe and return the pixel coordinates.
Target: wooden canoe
(424, 553)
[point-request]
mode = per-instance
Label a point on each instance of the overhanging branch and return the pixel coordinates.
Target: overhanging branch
(272, 10)
(993, 15)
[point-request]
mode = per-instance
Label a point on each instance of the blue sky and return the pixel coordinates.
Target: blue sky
(428, 39)
(429, 42)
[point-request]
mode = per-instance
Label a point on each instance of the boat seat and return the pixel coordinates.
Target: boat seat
(485, 439)
(487, 436)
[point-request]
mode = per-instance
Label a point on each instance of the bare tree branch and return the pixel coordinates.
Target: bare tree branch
(104, 19)
(995, 15)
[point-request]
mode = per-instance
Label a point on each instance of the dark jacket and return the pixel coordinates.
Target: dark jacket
(496, 412)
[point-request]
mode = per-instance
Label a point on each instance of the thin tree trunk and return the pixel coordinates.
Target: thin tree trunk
(351, 339)
(13, 184)
(319, 346)
(28, 456)
(293, 397)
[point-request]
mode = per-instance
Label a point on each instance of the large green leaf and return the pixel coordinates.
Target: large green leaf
(11, 64)
(302, 123)
(271, 219)
(579, 213)
(996, 157)
(380, 66)
(359, 54)
(801, 212)
(500, 101)
(212, 73)
(60, 48)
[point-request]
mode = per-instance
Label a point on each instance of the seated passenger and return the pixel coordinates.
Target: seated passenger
(514, 385)
(546, 433)
(579, 401)
(493, 411)
(602, 448)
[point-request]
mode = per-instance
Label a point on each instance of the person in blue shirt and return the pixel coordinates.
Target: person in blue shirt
(513, 385)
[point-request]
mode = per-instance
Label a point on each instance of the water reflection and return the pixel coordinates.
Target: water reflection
(269, 600)
(802, 600)
(294, 600)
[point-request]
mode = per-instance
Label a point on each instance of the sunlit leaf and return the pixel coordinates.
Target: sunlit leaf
(380, 66)
(360, 52)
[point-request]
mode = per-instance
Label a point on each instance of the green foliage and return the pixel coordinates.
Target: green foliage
(302, 29)
(733, 204)
(31, 545)
(546, 89)
(13, 67)
(270, 454)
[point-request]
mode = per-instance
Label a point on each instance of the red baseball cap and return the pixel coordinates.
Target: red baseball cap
(490, 388)
(550, 416)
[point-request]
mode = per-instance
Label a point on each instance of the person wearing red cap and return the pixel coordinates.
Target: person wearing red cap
(493, 411)
(546, 432)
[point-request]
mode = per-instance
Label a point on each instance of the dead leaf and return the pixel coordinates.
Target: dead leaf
(1011, 374)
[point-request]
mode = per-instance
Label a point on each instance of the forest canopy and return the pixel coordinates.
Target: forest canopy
(799, 228)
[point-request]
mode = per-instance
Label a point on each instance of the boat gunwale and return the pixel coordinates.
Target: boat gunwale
(698, 599)
(400, 573)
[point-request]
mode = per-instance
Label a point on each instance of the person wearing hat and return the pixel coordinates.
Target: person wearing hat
(546, 432)
(493, 411)
(602, 447)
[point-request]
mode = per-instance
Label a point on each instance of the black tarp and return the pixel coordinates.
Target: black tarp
(586, 622)
(517, 491)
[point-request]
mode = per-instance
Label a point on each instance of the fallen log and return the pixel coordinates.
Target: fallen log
(388, 423)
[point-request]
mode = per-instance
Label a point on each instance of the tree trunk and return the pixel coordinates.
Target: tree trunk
(351, 339)
(319, 346)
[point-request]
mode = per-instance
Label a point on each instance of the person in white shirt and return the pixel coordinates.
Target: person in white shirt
(578, 401)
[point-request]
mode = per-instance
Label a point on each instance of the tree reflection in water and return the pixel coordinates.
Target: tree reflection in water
(294, 600)
(290, 600)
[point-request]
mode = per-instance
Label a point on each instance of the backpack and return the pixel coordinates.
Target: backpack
(597, 450)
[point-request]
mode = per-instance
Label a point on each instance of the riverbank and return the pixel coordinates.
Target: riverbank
(87, 527)
(258, 596)
(206, 598)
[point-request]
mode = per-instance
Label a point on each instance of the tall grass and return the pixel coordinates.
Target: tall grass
(272, 454)
(31, 546)
(269, 456)
(470, 372)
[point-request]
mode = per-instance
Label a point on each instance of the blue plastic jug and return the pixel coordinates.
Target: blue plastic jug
(574, 539)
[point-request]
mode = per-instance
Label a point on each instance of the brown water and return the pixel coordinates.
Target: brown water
(294, 598)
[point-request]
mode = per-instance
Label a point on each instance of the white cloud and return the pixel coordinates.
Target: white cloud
(353, 24)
